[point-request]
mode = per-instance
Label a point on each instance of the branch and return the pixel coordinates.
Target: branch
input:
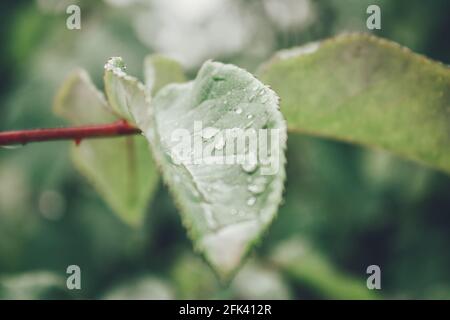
(115, 129)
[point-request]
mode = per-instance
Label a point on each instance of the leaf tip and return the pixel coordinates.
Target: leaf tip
(225, 249)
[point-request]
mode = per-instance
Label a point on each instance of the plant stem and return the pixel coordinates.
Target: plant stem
(115, 129)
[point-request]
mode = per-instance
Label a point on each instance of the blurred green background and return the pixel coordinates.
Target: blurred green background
(345, 207)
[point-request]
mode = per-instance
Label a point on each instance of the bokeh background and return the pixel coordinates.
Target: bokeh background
(345, 207)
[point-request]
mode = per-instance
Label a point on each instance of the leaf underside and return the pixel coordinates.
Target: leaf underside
(121, 169)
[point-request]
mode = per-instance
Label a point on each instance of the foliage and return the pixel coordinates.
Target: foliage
(372, 92)
(352, 206)
(359, 101)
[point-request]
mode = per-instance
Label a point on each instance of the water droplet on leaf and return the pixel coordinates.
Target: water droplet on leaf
(250, 163)
(249, 167)
(264, 99)
(256, 188)
(251, 201)
(220, 143)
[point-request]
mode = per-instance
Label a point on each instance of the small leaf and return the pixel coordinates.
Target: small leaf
(143, 287)
(120, 168)
(126, 95)
(160, 71)
(226, 208)
(370, 91)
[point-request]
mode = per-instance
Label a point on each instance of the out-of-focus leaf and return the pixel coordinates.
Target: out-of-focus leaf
(258, 282)
(121, 168)
(309, 269)
(87, 104)
(225, 208)
(160, 71)
(194, 279)
(33, 286)
(141, 288)
(366, 90)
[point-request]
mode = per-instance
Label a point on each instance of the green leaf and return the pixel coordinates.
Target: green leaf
(194, 279)
(366, 90)
(35, 285)
(126, 95)
(160, 71)
(225, 208)
(120, 168)
(255, 281)
(143, 287)
(308, 268)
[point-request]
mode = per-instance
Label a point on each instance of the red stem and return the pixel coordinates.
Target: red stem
(119, 128)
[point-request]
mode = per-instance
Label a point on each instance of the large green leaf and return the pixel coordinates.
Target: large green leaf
(121, 168)
(366, 90)
(224, 207)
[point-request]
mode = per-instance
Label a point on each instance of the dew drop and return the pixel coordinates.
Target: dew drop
(249, 116)
(256, 188)
(249, 167)
(220, 143)
(251, 201)
(238, 111)
(250, 163)
(264, 99)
